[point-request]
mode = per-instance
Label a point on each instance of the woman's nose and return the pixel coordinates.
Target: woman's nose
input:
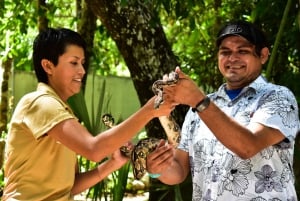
(82, 69)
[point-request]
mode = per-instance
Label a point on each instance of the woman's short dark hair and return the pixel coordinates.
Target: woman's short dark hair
(50, 44)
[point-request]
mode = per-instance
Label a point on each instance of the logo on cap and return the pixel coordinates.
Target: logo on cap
(244, 29)
(236, 29)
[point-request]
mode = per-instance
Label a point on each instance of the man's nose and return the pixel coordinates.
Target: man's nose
(234, 56)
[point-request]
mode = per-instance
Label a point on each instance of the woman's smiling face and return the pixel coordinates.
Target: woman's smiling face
(66, 77)
(238, 62)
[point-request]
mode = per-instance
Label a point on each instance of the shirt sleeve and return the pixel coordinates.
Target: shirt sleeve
(187, 130)
(278, 109)
(44, 113)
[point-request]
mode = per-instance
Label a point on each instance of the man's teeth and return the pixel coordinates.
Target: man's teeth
(234, 67)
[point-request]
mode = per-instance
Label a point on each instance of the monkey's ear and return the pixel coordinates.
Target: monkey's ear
(47, 66)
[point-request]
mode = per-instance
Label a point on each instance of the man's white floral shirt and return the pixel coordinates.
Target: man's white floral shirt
(218, 173)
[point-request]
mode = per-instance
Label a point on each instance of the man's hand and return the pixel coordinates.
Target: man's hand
(161, 158)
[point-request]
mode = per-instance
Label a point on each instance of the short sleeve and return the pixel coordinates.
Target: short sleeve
(279, 110)
(44, 113)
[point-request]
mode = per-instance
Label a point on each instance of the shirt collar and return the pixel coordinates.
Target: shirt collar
(42, 87)
(47, 89)
(253, 86)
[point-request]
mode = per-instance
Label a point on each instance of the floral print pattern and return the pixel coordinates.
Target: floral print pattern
(235, 179)
(268, 180)
(219, 174)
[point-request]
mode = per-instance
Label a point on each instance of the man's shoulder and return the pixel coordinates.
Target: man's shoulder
(261, 84)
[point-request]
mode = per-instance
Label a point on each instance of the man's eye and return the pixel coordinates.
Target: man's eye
(225, 53)
(74, 63)
(244, 52)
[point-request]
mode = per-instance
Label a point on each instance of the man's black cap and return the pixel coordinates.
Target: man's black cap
(245, 29)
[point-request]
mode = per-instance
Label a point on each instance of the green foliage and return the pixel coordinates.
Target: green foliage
(193, 37)
(120, 178)
(191, 27)
(17, 27)
(106, 59)
(116, 185)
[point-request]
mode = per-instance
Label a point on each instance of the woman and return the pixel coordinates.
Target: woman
(45, 136)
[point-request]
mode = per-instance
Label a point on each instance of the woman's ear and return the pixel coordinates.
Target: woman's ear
(264, 55)
(47, 66)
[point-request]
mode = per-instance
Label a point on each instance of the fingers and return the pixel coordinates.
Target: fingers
(169, 97)
(159, 160)
(181, 74)
(119, 159)
(166, 107)
(175, 94)
(165, 77)
(129, 144)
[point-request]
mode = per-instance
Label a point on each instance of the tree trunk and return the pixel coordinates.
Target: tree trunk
(142, 42)
(86, 28)
(140, 38)
(42, 15)
(7, 66)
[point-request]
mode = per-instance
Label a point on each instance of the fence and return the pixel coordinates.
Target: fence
(120, 93)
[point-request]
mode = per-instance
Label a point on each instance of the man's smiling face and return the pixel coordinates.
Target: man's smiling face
(238, 62)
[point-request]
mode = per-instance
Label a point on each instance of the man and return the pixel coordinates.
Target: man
(238, 142)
